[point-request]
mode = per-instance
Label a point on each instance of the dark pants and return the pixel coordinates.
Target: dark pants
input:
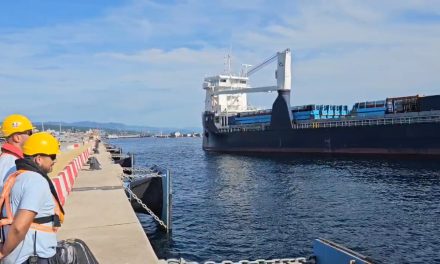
(42, 260)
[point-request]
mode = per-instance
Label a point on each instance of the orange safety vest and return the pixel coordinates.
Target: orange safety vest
(5, 201)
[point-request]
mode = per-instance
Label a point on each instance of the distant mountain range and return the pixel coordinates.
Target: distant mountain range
(113, 127)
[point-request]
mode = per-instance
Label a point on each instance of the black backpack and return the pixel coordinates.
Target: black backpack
(73, 251)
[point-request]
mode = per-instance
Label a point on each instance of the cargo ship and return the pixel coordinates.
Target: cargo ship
(408, 125)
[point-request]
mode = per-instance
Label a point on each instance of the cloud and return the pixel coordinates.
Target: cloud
(144, 62)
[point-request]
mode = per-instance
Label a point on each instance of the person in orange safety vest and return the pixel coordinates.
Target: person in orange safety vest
(31, 210)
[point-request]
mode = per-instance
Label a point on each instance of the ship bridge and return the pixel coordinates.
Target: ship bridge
(222, 93)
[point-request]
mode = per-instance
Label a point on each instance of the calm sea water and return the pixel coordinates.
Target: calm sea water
(233, 207)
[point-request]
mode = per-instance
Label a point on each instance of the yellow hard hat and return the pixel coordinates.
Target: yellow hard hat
(15, 123)
(41, 143)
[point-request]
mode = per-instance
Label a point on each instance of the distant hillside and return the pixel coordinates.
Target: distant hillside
(112, 127)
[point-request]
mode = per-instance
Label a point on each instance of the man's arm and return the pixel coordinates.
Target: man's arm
(17, 231)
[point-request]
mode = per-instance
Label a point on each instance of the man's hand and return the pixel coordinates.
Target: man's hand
(17, 231)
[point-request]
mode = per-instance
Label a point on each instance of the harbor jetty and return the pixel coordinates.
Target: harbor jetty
(97, 209)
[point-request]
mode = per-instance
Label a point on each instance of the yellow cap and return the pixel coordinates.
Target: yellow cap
(15, 124)
(41, 143)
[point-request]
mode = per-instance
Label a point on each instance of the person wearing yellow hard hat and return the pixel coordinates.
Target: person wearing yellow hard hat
(16, 129)
(32, 215)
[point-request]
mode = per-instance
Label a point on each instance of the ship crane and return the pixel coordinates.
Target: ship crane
(261, 65)
(226, 94)
(282, 74)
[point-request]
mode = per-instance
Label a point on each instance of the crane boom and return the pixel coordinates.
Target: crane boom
(247, 90)
(261, 65)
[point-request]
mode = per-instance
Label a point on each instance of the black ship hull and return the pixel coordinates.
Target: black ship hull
(399, 139)
(407, 134)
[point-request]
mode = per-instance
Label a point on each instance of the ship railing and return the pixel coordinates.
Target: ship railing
(245, 128)
(369, 122)
(339, 123)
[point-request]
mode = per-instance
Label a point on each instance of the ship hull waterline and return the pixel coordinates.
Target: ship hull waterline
(400, 139)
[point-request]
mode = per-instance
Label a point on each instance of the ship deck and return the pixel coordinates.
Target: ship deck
(389, 119)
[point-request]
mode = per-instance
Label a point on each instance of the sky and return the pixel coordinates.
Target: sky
(142, 62)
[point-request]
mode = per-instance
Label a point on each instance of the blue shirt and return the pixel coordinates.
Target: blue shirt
(7, 167)
(31, 192)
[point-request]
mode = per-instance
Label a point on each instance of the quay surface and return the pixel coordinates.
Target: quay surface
(98, 212)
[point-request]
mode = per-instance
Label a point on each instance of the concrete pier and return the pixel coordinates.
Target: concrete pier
(98, 212)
